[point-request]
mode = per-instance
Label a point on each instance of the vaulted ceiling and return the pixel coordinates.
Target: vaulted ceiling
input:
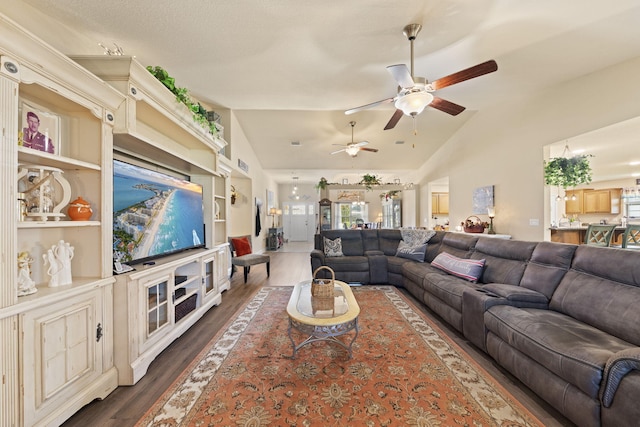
(289, 69)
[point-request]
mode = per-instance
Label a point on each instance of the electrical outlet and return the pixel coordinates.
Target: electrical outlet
(534, 222)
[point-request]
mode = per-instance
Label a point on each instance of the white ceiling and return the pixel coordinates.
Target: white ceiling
(290, 68)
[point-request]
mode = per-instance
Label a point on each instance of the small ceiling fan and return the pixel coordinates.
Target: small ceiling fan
(353, 148)
(415, 93)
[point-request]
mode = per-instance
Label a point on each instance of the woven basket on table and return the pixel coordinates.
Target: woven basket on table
(477, 227)
(322, 288)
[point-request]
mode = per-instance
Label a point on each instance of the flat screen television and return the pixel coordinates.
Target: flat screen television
(154, 214)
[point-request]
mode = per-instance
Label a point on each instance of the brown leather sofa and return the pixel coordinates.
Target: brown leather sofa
(564, 319)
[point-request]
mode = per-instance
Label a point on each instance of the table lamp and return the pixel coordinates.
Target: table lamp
(492, 213)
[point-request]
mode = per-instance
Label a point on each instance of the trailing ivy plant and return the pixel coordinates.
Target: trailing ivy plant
(568, 172)
(182, 95)
(369, 181)
(322, 184)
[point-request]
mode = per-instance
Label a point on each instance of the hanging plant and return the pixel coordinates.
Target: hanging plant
(568, 172)
(182, 95)
(369, 181)
(322, 184)
(389, 194)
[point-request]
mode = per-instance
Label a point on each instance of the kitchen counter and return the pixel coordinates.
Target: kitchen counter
(576, 235)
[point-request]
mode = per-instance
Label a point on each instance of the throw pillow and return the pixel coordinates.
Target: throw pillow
(415, 253)
(469, 269)
(241, 246)
(416, 236)
(333, 247)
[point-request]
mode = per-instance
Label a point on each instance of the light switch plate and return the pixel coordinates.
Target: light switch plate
(534, 222)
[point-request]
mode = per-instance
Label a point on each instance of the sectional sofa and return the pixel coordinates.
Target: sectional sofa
(564, 319)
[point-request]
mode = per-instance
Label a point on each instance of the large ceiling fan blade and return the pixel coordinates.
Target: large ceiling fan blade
(360, 144)
(373, 150)
(446, 106)
(373, 104)
(394, 120)
(339, 151)
(402, 75)
(469, 73)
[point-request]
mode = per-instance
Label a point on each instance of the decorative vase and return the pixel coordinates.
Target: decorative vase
(79, 210)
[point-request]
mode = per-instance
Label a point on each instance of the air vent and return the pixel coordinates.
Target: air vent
(295, 143)
(399, 142)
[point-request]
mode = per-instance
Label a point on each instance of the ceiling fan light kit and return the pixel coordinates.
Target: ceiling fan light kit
(415, 93)
(353, 148)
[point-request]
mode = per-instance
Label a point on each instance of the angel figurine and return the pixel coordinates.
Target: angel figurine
(26, 285)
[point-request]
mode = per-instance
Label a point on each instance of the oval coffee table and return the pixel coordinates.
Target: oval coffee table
(323, 319)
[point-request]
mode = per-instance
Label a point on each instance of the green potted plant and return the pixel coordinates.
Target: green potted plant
(568, 171)
(322, 184)
(182, 95)
(369, 181)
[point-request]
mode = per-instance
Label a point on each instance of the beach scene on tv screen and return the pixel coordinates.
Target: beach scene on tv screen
(153, 213)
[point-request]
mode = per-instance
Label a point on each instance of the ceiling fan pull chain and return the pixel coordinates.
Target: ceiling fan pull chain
(415, 126)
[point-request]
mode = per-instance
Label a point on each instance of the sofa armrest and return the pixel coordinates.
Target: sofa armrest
(517, 296)
(317, 259)
(618, 365)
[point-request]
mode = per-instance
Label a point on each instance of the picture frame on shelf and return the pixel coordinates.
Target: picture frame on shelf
(39, 128)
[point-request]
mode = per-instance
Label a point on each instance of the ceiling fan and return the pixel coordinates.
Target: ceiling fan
(415, 93)
(353, 148)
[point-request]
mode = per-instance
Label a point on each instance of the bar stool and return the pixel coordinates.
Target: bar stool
(599, 235)
(631, 237)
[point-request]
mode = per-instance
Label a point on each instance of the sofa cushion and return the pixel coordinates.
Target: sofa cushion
(572, 350)
(445, 287)
(547, 266)
(602, 289)
(413, 252)
(333, 248)
(505, 260)
(468, 269)
(388, 240)
(351, 241)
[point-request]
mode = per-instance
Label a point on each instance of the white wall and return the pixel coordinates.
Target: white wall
(503, 146)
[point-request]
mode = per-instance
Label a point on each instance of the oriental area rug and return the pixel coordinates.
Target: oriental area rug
(404, 372)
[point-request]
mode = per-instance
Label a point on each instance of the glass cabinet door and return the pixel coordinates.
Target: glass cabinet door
(157, 306)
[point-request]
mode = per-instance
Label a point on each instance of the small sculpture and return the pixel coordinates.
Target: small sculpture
(59, 260)
(26, 285)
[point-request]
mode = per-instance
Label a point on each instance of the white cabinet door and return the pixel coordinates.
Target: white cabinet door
(61, 348)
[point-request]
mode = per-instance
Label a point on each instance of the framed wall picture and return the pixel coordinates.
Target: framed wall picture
(482, 199)
(39, 129)
(270, 200)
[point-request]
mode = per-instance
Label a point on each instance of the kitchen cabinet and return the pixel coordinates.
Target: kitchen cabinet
(440, 203)
(602, 201)
(575, 201)
(590, 201)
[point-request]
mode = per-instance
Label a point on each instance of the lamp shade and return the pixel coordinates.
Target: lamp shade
(273, 211)
(413, 103)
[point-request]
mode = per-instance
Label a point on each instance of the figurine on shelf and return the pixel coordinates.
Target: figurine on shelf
(26, 285)
(59, 260)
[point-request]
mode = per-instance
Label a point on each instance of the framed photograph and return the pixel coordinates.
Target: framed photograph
(39, 129)
(270, 200)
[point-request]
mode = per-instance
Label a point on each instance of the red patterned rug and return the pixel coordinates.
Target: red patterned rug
(404, 372)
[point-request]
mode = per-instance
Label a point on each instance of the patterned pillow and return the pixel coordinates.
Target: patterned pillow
(415, 253)
(333, 247)
(414, 237)
(469, 269)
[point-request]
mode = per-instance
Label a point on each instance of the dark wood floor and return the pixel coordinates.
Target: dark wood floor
(127, 404)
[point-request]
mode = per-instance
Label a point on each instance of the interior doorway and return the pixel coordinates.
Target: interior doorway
(298, 221)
